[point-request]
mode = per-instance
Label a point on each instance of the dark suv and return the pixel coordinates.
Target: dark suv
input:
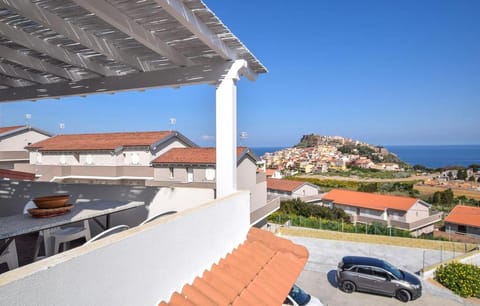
(377, 276)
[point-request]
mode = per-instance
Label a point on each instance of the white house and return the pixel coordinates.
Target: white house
(291, 189)
(464, 220)
(13, 140)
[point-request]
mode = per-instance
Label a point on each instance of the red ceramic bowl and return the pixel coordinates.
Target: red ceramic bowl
(52, 201)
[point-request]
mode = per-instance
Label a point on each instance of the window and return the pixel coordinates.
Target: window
(171, 172)
(189, 175)
(364, 270)
(381, 273)
(210, 174)
(135, 159)
(462, 229)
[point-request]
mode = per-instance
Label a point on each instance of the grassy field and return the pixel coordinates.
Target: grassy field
(378, 239)
(428, 190)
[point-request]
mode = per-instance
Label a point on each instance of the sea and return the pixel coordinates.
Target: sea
(430, 156)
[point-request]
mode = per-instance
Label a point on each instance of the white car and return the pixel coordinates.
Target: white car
(298, 297)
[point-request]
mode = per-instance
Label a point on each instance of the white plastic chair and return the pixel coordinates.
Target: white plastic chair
(154, 217)
(108, 232)
(9, 256)
(61, 236)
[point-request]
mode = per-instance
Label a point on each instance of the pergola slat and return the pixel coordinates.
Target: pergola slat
(42, 16)
(22, 38)
(12, 83)
(22, 74)
(123, 23)
(34, 63)
(182, 14)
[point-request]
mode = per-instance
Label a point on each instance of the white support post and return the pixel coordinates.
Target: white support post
(226, 130)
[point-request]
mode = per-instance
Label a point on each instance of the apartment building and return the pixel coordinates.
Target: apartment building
(405, 213)
(100, 158)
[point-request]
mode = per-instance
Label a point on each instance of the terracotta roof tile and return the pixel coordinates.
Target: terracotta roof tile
(464, 215)
(284, 185)
(369, 200)
(260, 271)
(191, 156)
(99, 141)
(211, 292)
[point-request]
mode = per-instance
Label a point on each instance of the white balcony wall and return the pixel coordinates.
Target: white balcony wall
(141, 266)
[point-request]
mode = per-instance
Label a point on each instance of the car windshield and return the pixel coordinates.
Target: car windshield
(392, 269)
(300, 296)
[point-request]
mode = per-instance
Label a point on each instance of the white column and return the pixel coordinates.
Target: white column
(226, 137)
(226, 128)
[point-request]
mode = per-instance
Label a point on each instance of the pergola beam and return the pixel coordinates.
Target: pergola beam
(188, 19)
(22, 38)
(42, 16)
(125, 24)
(20, 58)
(205, 74)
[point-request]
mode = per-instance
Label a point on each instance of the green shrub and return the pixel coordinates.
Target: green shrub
(463, 279)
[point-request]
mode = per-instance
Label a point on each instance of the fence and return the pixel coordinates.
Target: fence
(338, 225)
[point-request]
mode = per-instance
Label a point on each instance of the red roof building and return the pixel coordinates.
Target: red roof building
(464, 219)
(405, 213)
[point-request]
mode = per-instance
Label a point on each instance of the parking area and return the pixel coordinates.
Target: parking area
(318, 277)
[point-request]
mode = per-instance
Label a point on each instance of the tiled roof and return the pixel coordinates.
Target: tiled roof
(464, 215)
(17, 175)
(261, 271)
(369, 200)
(99, 141)
(284, 185)
(10, 128)
(191, 156)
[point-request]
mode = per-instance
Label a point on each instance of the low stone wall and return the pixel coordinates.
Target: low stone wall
(457, 237)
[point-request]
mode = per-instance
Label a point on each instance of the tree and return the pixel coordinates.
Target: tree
(419, 167)
(372, 187)
(472, 179)
(462, 174)
(475, 167)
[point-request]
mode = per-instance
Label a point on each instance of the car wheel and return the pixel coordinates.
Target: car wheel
(348, 286)
(403, 295)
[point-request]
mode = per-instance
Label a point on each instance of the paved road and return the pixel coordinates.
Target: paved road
(318, 276)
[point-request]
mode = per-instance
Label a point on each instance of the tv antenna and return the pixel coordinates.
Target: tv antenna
(27, 119)
(172, 122)
(243, 136)
(61, 126)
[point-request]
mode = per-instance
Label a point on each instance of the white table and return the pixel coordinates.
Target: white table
(16, 225)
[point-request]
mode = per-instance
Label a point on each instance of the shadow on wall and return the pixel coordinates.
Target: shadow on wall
(15, 194)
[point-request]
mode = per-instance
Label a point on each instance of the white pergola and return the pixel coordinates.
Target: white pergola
(58, 48)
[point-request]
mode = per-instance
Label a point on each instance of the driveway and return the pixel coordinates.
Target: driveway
(318, 276)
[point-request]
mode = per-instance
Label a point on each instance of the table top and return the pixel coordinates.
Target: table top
(11, 226)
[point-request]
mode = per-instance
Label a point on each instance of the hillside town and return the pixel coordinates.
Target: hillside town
(321, 154)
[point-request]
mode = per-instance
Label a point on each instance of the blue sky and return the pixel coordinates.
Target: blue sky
(385, 72)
